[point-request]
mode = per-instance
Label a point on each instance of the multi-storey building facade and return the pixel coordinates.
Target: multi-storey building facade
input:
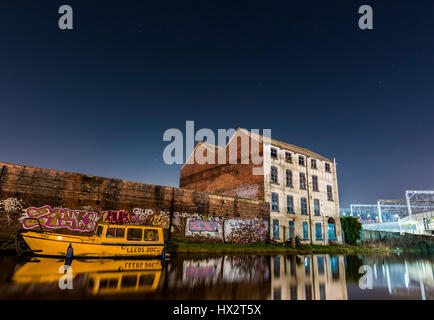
(300, 185)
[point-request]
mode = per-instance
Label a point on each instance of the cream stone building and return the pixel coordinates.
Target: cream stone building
(300, 185)
(302, 189)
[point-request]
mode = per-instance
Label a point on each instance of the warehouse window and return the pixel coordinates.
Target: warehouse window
(275, 229)
(303, 204)
(274, 201)
(290, 204)
(301, 160)
(274, 175)
(302, 181)
(329, 193)
(316, 207)
(288, 178)
(274, 153)
(315, 183)
(288, 157)
(313, 163)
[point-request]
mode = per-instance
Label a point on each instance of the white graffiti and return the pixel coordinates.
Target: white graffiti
(11, 205)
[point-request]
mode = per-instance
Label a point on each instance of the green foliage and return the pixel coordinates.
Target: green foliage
(352, 228)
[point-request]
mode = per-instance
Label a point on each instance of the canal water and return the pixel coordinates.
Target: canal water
(281, 277)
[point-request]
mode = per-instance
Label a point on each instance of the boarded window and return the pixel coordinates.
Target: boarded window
(134, 234)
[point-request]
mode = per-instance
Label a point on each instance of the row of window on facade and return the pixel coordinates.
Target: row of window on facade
(318, 230)
(290, 204)
(301, 160)
(289, 181)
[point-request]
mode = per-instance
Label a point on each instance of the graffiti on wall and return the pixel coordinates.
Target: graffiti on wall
(11, 206)
(76, 220)
(210, 228)
(245, 230)
(119, 217)
(147, 216)
(203, 225)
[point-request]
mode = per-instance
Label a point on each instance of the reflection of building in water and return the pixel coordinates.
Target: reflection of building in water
(225, 277)
(310, 277)
(410, 277)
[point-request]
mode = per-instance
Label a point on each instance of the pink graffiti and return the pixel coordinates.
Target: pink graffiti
(77, 220)
(203, 225)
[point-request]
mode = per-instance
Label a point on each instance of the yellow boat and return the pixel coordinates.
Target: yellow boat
(103, 276)
(108, 241)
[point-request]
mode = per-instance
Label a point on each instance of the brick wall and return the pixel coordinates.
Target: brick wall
(74, 203)
(235, 180)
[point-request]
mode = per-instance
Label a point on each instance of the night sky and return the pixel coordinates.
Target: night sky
(97, 99)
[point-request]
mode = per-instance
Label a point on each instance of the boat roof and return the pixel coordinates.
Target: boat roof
(128, 225)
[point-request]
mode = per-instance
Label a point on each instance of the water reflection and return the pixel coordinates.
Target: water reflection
(410, 277)
(284, 277)
(309, 277)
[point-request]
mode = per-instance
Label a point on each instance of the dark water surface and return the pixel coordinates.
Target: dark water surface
(285, 277)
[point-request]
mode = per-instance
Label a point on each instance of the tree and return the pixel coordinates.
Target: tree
(352, 228)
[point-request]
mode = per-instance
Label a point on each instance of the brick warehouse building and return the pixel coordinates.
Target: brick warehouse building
(300, 185)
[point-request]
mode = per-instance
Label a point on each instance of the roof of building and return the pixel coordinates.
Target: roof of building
(288, 146)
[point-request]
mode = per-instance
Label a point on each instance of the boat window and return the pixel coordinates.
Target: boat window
(150, 235)
(99, 231)
(115, 233)
(129, 281)
(134, 234)
(108, 283)
(146, 280)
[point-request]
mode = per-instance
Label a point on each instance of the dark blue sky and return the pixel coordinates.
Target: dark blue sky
(97, 99)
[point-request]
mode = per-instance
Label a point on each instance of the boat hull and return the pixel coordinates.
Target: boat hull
(83, 247)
